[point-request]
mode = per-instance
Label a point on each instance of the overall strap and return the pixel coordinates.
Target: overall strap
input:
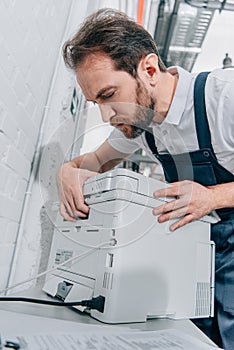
(151, 142)
(201, 122)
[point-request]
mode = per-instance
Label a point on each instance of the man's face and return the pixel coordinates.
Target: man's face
(124, 101)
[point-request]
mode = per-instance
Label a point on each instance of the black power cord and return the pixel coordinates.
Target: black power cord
(96, 303)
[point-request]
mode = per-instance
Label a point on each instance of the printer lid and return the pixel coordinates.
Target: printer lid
(122, 179)
(120, 183)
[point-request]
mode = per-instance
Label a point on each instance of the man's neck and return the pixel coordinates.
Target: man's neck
(165, 91)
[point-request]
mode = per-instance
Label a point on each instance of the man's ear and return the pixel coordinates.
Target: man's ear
(148, 68)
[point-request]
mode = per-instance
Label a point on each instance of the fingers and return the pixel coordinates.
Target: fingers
(69, 182)
(176, 189)
(72, 209)
(181, 213)
(173, 214)
(72, 204)
(172, 191)
(65, 213)
(76, 206)
(183, 221)
(70, 215)
(79, 206)
(170, 206)
(192, 202)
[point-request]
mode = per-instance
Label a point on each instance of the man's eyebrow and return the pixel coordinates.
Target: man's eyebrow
(102, 91)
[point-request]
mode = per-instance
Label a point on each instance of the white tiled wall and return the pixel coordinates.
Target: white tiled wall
(37, 128)
(31, 33)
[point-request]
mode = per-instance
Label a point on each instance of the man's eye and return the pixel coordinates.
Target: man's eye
(105, 97)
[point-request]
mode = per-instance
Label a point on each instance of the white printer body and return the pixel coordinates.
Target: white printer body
(147, 271)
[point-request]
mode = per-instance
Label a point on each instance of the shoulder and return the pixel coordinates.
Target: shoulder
(220, 88)
(222, 74)
(219, 78)
(219, 93)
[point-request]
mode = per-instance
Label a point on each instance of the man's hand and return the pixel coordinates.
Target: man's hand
(70, 181)
(192, 202)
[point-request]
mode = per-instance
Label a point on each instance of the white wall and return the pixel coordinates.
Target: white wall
(36, 127)
(30, 40)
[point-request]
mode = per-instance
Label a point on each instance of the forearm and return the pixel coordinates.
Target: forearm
(91, 162)
(87, 161)
(223, 195)
(101, 160)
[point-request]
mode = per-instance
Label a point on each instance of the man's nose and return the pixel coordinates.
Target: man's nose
(107, 112)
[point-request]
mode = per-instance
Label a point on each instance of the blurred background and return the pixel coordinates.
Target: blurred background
(44, 119)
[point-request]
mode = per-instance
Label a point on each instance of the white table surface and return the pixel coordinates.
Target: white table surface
(54, 313)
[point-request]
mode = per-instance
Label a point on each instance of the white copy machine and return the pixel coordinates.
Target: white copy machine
(141, 268)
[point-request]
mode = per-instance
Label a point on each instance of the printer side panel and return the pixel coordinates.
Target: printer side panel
(153, 272)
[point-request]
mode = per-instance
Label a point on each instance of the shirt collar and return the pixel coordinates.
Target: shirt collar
(177, 107)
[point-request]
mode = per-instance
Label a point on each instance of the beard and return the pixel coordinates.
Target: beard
(143, 115)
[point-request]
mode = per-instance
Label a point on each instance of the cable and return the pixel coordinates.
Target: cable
(96, 303)
(111, 243)
(56, 267)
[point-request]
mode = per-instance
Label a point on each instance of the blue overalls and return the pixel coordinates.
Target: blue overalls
(205, 169)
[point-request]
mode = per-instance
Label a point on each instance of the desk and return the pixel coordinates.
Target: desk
(71, 314)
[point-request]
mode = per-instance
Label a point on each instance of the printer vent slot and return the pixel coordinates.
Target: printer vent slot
(109, 260)
(107, 280)
(202, 299)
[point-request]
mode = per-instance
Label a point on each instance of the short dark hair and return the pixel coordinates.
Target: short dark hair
(114, 33)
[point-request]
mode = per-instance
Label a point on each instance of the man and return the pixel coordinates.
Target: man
(117, 66)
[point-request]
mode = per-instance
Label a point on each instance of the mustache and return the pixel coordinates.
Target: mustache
(137, 126)
(122, 120)
(118, 120)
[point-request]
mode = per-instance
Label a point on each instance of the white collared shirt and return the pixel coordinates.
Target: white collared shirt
(177, 133)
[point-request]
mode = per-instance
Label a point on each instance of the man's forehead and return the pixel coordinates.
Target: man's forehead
(95, 74)
(97, 60)
(94, 69)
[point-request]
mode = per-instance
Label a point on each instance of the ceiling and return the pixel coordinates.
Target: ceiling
(179, 27)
